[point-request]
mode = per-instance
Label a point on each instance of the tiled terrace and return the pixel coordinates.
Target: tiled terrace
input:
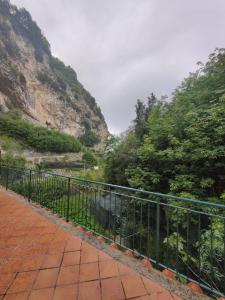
(39, 260)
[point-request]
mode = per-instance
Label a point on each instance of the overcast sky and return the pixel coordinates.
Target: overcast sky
(123, 50)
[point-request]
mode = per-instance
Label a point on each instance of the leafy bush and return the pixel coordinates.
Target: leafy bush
(10, 144)
(15, 161)
(89, 138)
(39, 138)
(89, 158)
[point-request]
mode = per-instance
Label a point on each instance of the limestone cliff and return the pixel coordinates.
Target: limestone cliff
(38, 84)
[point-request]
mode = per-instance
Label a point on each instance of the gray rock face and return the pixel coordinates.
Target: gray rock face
(39, 85)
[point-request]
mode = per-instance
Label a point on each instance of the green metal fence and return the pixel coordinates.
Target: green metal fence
(184, 235)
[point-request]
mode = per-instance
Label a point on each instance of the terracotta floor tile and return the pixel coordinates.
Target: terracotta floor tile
(7, 252)
(11, 265)
(89, 272)
(43, 260)
(89, 290)
(46, 278)
(40, 249)
(66, 292)
(152, 286)
(108, 268)
(71, 258)
(89, 255)
(124, 270)
(68, 275)
(103, 256)
(14, 241)
(17, 296)
(32, 263)
(46, 238)
(85, 245)
(161, 296)
(5, 281)
(73, 245)
(133, 286)
(23, 250)
(23, 282)
(43, 294)
(52, 261)
(112, 289)
(56, 247)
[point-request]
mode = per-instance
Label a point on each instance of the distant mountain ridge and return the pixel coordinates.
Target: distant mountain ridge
(39, 85)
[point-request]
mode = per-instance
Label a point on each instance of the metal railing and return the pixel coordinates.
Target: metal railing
(184, 235)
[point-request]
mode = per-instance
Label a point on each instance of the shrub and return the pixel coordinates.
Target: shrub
(89, 158)
(39, 138)
(89, 138)
(15, 161)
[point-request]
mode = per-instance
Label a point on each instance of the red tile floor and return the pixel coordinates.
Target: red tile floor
(39, 260)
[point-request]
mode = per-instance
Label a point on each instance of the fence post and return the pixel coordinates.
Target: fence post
(157, 230)
(7, 178)
(30, 175)
(68, 200)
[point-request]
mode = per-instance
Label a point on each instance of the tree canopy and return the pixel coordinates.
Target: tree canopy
(178, 146)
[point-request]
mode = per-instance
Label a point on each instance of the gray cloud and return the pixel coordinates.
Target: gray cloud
(124, 50)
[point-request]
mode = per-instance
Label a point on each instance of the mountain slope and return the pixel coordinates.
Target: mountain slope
(39, 85)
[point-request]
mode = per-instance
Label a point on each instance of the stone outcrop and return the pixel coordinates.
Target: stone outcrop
(39, 85)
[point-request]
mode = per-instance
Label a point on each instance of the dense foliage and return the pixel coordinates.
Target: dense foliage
(178, 146)
(38, 138)
(89, 158)
(89, 138)
(13, 161)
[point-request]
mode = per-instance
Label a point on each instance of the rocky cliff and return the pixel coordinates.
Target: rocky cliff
(40, 85)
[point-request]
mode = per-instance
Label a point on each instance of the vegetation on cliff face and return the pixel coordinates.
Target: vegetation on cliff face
(38, 138)
(179, 146)
(26, 61)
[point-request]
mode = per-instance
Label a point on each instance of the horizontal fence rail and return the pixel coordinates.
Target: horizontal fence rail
(184, 235)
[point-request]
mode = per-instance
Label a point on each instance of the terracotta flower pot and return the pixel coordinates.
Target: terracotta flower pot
(129, 253)
(147, 263)
(89, 233)
(100, 238)
(80, 228)
(195, 287)
(169, 274)
(114, 245)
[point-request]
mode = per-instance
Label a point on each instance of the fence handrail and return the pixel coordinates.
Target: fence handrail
(166, 196)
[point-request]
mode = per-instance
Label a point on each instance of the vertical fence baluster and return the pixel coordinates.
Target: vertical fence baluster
(68, 200)
(148, 231)
(157, 230)
(211, 251)
(7, 178)
(224, 251)
(30, 174)
(199, 244)
(167, 235)
(187, 248)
